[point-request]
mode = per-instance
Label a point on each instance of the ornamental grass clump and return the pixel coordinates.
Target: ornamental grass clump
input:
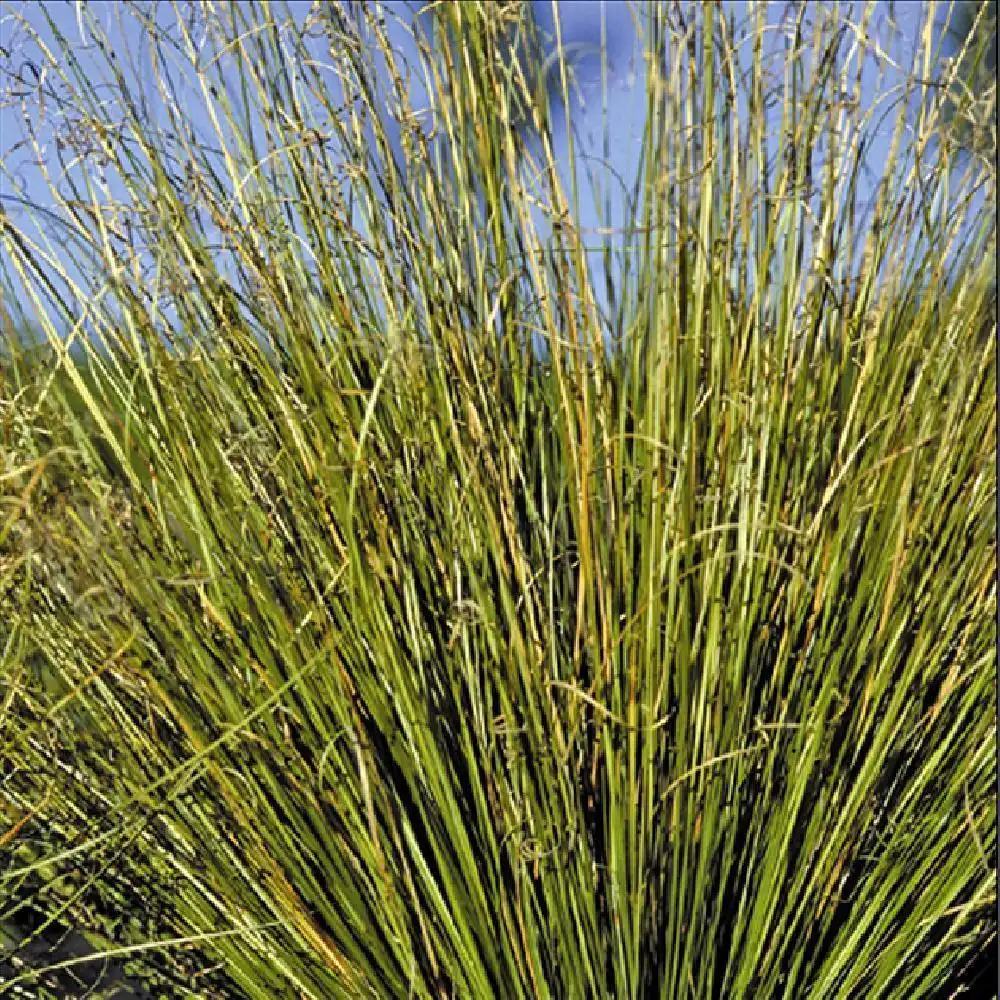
(406, 594)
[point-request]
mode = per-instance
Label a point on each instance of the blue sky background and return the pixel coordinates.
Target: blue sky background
(896, 26)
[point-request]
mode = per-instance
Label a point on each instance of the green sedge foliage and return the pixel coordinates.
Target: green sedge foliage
(355, 647)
